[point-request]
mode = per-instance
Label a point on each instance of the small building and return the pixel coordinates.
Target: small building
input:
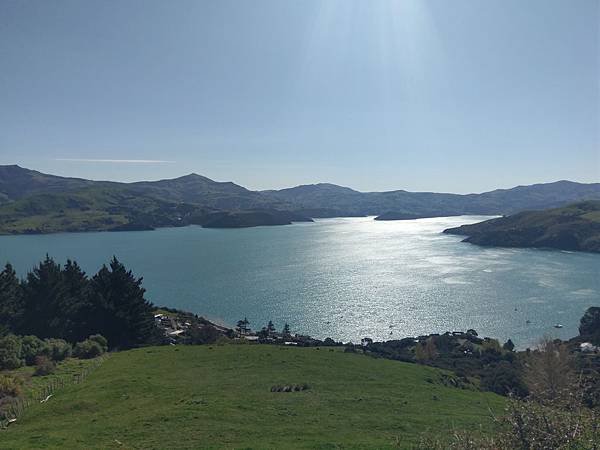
(588, 347)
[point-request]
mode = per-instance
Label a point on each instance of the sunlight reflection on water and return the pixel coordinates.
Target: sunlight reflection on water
(346, 278)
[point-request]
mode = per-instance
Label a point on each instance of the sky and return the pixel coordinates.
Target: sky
(423, 95)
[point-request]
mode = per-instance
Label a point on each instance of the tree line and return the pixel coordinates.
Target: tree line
(61, 301)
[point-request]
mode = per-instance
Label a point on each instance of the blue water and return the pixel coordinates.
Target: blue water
(346, 278)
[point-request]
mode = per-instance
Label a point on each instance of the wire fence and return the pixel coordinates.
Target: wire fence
(15, 408)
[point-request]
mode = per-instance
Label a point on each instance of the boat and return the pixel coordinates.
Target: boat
(558, 325)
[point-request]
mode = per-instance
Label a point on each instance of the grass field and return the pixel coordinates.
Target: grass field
(219, 397)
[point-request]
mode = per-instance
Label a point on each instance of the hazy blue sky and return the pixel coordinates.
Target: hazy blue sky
(459, 96)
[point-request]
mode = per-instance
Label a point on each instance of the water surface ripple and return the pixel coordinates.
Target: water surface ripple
(346, 278)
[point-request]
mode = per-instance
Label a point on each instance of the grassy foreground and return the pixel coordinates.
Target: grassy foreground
(219, 397)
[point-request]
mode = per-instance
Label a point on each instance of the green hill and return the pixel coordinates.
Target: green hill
(220, 397)
(574, 227)
(34, 202)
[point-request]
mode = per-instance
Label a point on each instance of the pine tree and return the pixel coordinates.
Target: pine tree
(75, 304)
(11, 300)
(243, 326)
(509, 345)
(270, 328)
(44, 292)
(120, 311)
(286, 330)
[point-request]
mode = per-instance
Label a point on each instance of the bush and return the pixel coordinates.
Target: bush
(10, 386)
(101, 340)
(44, 366)
(10, 352)
(32, 346)
(503, 379)
(88, 349)
(206, 334)
(57, 349)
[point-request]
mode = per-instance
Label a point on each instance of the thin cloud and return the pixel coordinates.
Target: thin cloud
(116, 161)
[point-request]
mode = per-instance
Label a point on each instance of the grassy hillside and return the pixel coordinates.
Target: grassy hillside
(574, 227)
(220, 397)
(33, 202)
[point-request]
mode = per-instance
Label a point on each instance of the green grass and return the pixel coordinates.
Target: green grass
(219, 397)
(67, 371)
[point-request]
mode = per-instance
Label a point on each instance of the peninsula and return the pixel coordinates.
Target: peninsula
(574, 227)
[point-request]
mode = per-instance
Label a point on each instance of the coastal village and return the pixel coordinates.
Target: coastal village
(179, 327)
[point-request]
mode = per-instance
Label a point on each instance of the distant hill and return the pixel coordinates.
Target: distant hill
(574, 227)
(34, 202)
(331, 200)
(17, 182)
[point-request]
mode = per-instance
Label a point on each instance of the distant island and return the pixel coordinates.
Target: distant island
(574, 227)
(32, 202)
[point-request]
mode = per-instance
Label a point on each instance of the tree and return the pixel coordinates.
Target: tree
(119, 310)
(75, 304)
(270, 328)
(589, 325)
(503, 378)
(242, 326)
(10, 352)
(11, 300)
(509, 346)
(44, 293)
(286, 330)
(548, 371)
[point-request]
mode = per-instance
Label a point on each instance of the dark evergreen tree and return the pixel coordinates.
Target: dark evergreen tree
(75, 305)
(243, 326)
(119, 310)
(509, 345)
(11, 301)
(589, 326)
(270, 328)
(286, 330)
(44, 293)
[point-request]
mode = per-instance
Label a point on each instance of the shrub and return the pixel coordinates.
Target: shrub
(57, 349)
(10, 386)
(44, 366)
(503, 379)
(10, 352)
(32, 346)
(101, 340)
(88, 349)
(206, 334)
(548, 370)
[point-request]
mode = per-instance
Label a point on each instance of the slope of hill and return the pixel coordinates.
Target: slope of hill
(220, 397)
(17, 182)
(336, 200)
(574, 227)
(33, 202)
(199, 190)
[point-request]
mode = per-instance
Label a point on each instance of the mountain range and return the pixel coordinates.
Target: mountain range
(34, 202)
